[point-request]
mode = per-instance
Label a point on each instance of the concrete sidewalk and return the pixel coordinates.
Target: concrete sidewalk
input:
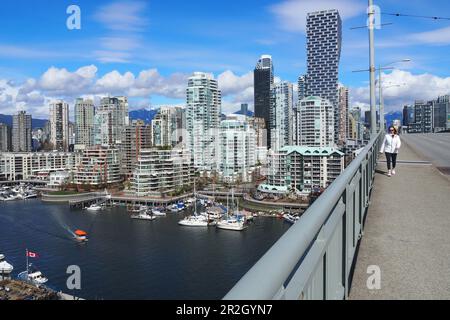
(407, 233)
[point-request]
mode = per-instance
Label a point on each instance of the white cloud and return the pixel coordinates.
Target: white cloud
(109, 56)
(115, 82)
(61, 83)
(291, 14)
(230, 83)
(123, 16)
(437, 37)
(412, 87)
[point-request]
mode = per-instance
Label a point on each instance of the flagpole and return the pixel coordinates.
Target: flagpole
(27, 260)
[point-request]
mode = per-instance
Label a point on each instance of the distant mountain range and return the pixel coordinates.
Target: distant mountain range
(249, 113)
(143, 114)
(393, 115)
(35, 123)
(148, 115)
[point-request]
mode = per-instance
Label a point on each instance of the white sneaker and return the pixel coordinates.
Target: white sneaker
(389, 173)
(393, 171)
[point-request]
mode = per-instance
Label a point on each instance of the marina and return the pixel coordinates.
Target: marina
(120, 249)
(21, 191)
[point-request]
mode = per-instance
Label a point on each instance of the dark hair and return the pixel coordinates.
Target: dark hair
(392, 127)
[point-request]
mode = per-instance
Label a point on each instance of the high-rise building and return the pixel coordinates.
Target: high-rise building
(352, 128)
(99, 166)
(237, 149)
(281, 113)
(123, 107)
(423, 118)
(5, 138)
(137, 136)
(162, 172)
(203, 100)
(342, 121)
(110, 119)
(259, 127)
(314, 123)
(356, 113)
(244, 109)
(168, 125)
(71, 136)
(263, 84)
(84, 122)
(21, 132)
(323, 40)
(368, 119)
(301, 89)
(59, 125)
(441, 113)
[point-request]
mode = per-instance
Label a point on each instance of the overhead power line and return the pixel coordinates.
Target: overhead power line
(415, 16)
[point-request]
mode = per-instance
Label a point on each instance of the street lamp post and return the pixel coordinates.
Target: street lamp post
(373, 114)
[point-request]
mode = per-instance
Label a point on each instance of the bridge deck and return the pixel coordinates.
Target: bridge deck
(407, 233)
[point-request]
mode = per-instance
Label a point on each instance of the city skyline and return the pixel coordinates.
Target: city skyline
(123, 51)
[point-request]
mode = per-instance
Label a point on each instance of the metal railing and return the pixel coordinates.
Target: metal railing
(314, 258)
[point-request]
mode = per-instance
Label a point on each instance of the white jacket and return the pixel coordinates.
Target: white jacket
(391, 145)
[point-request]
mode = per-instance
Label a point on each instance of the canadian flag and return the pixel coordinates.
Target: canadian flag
(32, 254)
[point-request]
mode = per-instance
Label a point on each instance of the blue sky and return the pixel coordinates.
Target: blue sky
(147, 49)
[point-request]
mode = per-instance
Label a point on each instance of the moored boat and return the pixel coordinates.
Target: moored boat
(94, 207)
(143, 215)
(291, 218)
(5, 268)
(32, 275)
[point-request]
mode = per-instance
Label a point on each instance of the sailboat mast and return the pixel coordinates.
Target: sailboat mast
(195, 201)
(228, 209)
(26, 251)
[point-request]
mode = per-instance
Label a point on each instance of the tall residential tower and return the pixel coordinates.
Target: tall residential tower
(281, 113)
(323, 40)
(84, 122)
(263, 84)
(203, 109)
(21, 132)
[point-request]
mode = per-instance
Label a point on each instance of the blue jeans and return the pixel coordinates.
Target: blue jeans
(391, 157)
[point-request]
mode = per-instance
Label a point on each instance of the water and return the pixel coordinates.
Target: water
(132, 259)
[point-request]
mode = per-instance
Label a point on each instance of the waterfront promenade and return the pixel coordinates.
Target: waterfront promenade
(407, 230)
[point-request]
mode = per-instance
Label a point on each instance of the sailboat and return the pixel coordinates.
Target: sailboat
(194, 220)
(235, 221)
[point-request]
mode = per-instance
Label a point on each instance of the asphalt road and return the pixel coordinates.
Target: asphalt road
(434, 147)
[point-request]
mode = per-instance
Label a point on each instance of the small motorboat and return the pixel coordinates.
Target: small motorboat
(291, 218)
(32, 275)
(81, 235)
(143, 215)
(94, 207)
(158, 212)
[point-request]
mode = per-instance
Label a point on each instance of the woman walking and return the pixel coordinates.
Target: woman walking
(391, 145)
